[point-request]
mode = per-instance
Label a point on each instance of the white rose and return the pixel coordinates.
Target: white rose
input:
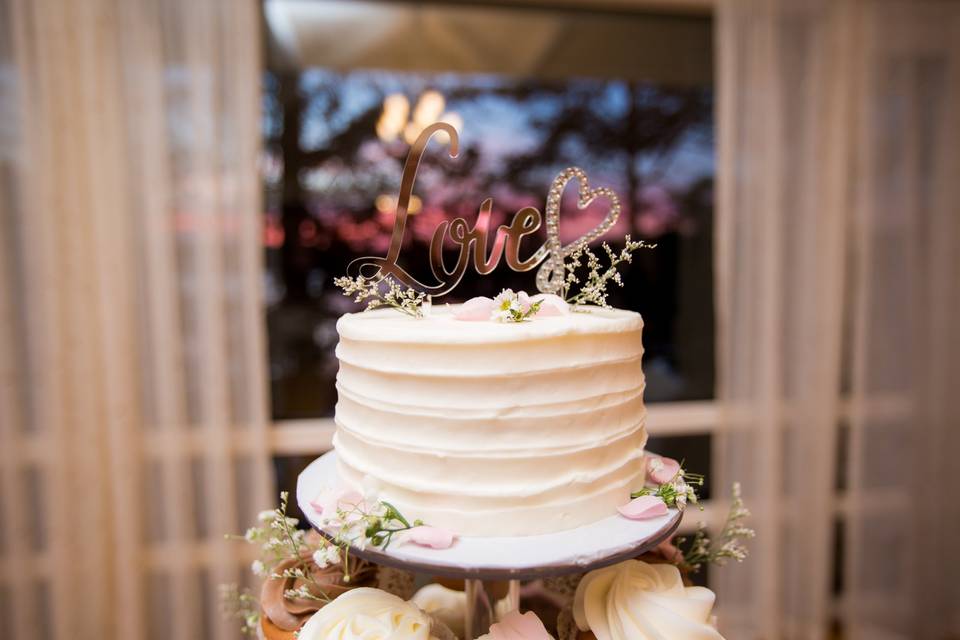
(634, 600)
(367, 614)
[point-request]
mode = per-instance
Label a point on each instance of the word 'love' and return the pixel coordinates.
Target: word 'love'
(473, 240)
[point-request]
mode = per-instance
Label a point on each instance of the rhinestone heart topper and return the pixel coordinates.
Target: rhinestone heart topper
(551, 273)
(473, 241)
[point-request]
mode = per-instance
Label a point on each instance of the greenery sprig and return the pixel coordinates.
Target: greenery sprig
(594, 289)
(384, 291)
(374, 524)
(678, 491)
(287, 552)
(729, 544)
(280, 541)
(243, 605)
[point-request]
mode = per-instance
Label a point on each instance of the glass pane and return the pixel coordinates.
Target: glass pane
(626, 96)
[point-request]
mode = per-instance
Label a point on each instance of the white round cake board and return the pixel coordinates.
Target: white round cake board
(591, 546)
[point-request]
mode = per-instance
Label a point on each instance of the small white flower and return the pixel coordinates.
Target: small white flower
(266, 516)
(504, 298)
(250, 535)
(257, 568)
(501, 316)
(515, 306)
(320, 558)
(333, 554)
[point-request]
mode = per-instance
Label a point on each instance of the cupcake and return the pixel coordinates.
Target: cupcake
(635, 600)
(372, 613)
(282, 615)
(445, 604)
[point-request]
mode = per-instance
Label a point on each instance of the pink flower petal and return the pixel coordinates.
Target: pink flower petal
(551, 305)
(663, 472)
(643, 508)
(475, 309)
(350, 500)
(432, 537)
(524, 301)
(328, 502)
(514, 626)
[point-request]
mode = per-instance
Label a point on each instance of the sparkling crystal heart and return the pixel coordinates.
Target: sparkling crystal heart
(550, 276)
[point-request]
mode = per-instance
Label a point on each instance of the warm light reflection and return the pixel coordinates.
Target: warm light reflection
(396, 108)
(388, 204)
(395, 118)
(429, 107)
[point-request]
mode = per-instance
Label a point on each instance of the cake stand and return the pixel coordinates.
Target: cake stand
(480, 561)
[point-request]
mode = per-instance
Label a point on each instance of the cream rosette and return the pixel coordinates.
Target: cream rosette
(634, 600)
(447, 605)
(368, 614)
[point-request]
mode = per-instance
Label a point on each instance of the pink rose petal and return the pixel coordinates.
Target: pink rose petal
(664, 472)
(432, 537)
(643, 508)
(475, 309)
(328, 502)
(349, 500)
(514, 626)
(524, 300)
(551, 305)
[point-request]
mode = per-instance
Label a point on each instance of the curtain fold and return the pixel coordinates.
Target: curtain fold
(837, 238)
(132, 357)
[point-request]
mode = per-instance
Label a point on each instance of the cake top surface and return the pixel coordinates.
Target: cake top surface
(439, 326)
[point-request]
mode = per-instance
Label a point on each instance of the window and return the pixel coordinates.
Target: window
(627, 96)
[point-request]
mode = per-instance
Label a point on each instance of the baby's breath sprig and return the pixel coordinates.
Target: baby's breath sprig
(280, 541)
(678, 491)
(375, 523)
(730, 543)
(384, 291)
(243, 605)
(594, 290)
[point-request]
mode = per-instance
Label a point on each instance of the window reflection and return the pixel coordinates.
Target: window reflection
(336, 139)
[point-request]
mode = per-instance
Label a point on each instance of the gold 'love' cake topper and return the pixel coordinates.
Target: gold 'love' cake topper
(555, 276)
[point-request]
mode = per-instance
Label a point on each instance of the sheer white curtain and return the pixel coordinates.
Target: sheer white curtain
(838, 243)
(132, 387)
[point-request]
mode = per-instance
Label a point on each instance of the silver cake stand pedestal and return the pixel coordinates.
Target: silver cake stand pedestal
(482, 561)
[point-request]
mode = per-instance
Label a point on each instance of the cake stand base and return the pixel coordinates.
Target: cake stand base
(482, 605)
(479, 561)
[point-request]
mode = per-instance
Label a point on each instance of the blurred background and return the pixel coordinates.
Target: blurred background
(180, 181)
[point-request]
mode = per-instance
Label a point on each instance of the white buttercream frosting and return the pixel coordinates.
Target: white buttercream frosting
(634, 600)
(367, 614)
(486, 428)
(447, 605)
